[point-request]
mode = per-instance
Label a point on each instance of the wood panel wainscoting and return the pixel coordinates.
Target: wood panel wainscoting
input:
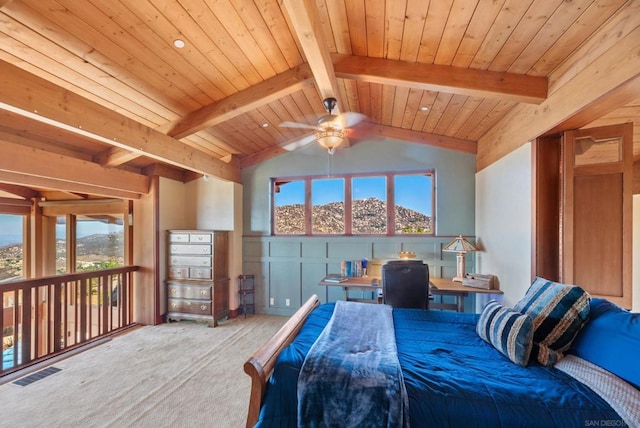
(287, 269)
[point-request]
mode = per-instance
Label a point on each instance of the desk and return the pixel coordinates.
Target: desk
(437, 286)
(370, 283)
(446, 287)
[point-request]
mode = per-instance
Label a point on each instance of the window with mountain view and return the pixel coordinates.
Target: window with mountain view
(354, 204)
(369, 205)
(413, 198)
(11, 247)
(289, 207)
(327, 202)
(99, 243)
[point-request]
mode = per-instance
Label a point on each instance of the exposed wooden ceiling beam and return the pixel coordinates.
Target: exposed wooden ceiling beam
(63, 186)
(41, 100)
(620, 96)
(306, 23)
(442, 78)
(48, 169)
(241, 102)
(370, 130)
(621, 47)
(165, 171)
(114, 156)
(21, 191)
(15, 202)
(262, 156)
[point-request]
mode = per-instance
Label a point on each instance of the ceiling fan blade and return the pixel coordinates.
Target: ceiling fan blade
(351, 118)
(300, 142)
(289, 124)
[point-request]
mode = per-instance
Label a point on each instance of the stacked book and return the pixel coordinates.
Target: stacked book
(353, 268)
(334, 277)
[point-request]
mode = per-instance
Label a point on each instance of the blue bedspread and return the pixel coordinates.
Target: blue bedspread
(453, 378)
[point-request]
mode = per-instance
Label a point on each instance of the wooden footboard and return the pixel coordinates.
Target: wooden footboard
(260, 365)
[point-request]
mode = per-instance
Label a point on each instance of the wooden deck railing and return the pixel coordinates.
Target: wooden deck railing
(46, 316)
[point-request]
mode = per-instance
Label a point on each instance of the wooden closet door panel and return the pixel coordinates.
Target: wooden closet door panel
(596, 211)
(598, 244)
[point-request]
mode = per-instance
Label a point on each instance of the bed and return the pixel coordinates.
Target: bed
(455, 378)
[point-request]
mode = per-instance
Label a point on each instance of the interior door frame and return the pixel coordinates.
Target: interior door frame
(567, 215)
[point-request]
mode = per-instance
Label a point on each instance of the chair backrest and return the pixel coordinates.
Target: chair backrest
(405, 284)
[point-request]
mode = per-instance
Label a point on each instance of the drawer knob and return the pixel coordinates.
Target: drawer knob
(174, 305)
(174, 291)
(203, 292)
(203, 307)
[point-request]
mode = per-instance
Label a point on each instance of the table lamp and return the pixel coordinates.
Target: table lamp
(460, 246)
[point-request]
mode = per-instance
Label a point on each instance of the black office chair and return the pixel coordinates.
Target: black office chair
(405, 284)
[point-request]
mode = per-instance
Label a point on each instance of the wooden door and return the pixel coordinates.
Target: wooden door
(596, 211)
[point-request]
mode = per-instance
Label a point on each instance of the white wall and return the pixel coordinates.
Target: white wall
(210, 204)
(202, 204)
(503, 223)
(171, 200)
(217, 205)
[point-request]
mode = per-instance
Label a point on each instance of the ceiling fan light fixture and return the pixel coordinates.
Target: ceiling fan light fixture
(330, 138)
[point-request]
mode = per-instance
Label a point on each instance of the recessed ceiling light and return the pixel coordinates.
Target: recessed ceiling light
(424, 108)
(179, 43)
(265, 125)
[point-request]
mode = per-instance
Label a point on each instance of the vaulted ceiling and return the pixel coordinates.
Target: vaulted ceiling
(101, 86)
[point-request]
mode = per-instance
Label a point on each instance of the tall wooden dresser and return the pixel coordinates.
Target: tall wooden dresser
(198, 275)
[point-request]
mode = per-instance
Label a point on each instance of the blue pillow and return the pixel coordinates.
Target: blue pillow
(558, 312)
(611, 340)
(507, 330)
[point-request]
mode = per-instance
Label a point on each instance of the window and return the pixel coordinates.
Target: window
(327, 199)
(289, 207)
(413, 202)
(354, 204)
(369, 205)
(11, 247)
(99, 243)
(61, 244)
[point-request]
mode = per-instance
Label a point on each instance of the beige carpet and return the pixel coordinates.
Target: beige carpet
(172, 375)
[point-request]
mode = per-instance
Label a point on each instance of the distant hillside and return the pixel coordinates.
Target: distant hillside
(90, 249)
(368, 217)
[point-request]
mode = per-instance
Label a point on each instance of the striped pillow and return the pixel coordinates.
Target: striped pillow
(509, 331)
(558, 311)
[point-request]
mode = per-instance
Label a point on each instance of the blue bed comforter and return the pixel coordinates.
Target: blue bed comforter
(453, 378)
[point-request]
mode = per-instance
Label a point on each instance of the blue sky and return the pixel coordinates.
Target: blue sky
(411, 191)
(12, 225)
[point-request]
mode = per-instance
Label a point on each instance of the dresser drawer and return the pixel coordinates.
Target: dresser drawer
(178, 272)
(179, 237)
(190, 249)
(204, 238)
(194, 261)
(200, 273)
(189, 292)
(198, 307)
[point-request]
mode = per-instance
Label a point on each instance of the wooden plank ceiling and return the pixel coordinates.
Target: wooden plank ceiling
(102, 85)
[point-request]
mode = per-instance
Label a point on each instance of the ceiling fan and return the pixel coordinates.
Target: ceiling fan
(330, 130)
